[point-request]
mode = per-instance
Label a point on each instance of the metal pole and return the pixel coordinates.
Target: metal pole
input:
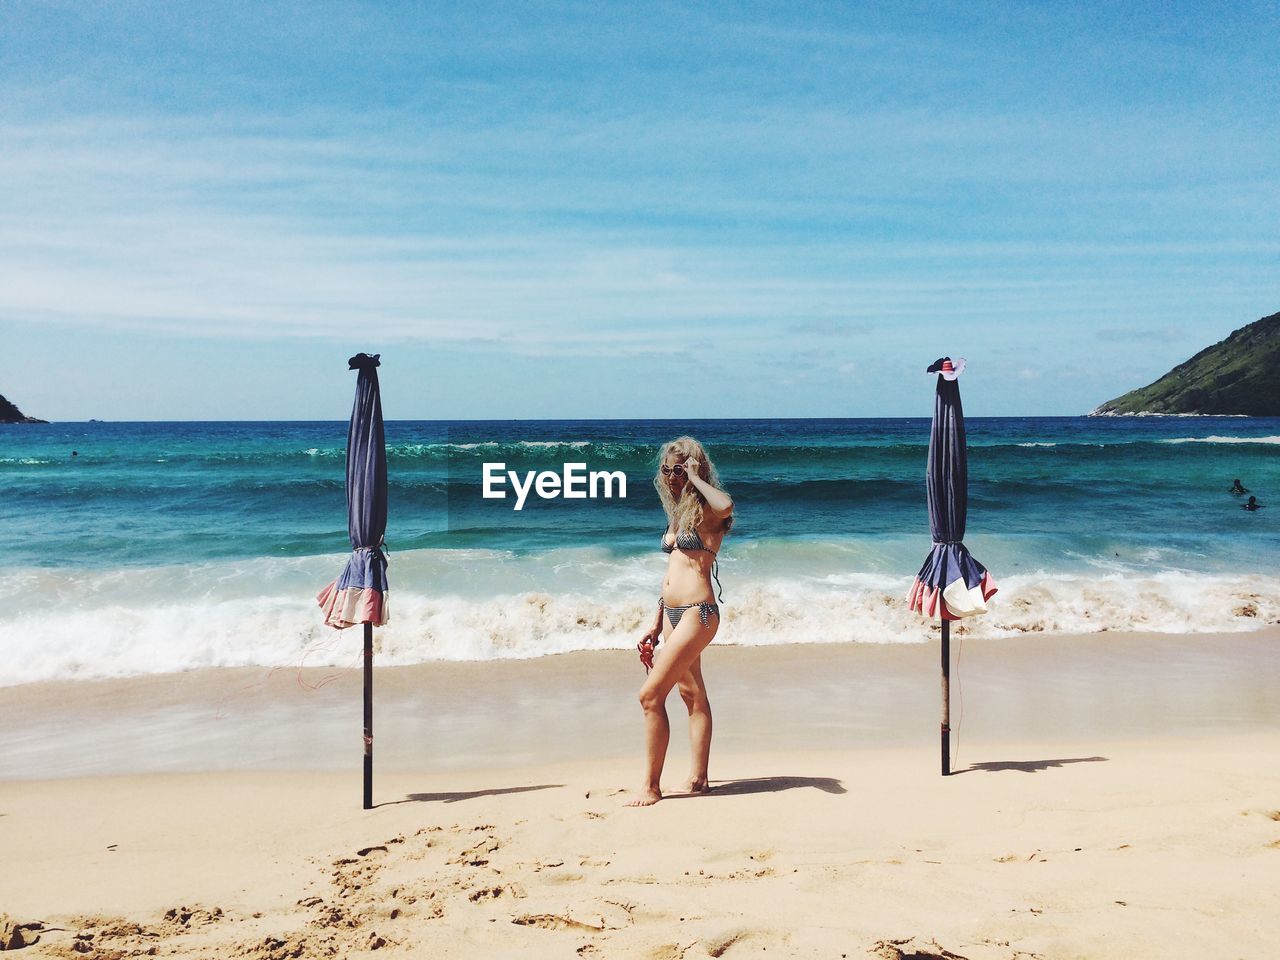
(368, 716)
(946, 697)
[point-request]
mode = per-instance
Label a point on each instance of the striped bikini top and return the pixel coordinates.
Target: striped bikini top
(691, 541)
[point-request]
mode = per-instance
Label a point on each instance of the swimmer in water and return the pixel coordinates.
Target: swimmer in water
(1252, 505)
(1237, 487)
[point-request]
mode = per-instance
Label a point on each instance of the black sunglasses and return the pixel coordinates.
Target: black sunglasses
(678, 470)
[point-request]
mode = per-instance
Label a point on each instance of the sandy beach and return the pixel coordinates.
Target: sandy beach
(516, 333)
(1116, 796)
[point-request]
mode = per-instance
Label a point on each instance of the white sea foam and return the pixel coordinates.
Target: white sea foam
(1216, 439)
(482, 605)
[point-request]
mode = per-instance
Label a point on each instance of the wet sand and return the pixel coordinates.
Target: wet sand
(1116, 796)
(447, 716)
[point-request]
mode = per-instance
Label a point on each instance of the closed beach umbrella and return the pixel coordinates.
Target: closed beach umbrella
(951, 584)
(359, 594)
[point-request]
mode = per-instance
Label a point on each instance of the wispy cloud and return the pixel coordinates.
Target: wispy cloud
(573, 183)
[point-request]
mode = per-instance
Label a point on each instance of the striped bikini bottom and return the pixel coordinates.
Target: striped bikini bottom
(704, 610)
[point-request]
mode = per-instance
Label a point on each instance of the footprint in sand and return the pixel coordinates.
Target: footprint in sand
(193, 916)
(478, 855)
(334, 917)
(668, 951)
(562, 876)
(1258, 811)
(14, 935)
(596, 915)
(645, 878)
(115, 936)
(718, 945)
(554, 921)
(910, 949)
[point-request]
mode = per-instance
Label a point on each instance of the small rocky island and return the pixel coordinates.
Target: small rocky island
(11, 414)
(1236, 376)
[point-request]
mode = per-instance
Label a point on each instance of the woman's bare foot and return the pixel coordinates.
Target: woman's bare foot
(645, 798)
(697, 785)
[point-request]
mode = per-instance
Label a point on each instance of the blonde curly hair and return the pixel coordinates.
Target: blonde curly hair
(687, 511)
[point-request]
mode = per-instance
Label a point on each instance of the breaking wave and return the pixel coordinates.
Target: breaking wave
(491, 605)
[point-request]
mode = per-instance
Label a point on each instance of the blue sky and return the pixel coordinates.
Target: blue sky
(629, 210)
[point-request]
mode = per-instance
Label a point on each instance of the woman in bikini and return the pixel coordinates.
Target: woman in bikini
(699, 514)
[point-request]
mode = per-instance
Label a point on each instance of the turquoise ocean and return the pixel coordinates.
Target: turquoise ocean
(161, 547)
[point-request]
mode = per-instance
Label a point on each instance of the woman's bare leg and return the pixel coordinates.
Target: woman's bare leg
(683, 646)
(693, 691)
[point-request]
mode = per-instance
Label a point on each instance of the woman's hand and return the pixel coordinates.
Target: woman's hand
(693, 481)
(717, 500)
(646, 647)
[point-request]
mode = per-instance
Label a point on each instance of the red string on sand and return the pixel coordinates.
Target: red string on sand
(312, 649)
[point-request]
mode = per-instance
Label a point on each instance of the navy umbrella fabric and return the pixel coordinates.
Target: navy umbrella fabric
(359, 594)
(951, 584)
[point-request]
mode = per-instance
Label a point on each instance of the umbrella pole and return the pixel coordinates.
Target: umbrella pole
(946, 697)
(368, 716)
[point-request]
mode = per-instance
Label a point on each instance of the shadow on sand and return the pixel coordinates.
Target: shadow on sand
(1026, 766)
(762, 785)
(467, 795)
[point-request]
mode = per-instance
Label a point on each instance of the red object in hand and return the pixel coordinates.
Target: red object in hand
(646, 654)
